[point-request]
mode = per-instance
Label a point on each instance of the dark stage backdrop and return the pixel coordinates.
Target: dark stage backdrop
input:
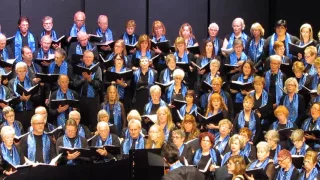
(173, 13)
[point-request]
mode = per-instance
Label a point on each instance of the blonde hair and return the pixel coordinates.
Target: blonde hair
(295, 82)
(156, 24)
(310, 50)
(225, 121)
(142, 39)
(298, 66)
(179, 40)
(297, 135)
(312, 155)
(190, 29)
(170, 124)
(133, 114)
(170, 57)
(160, 140)
(237, 137)
(108, 90)
(131, 23)
(259, 79)
(317, 62)
(257, 26)
(101, 114)
(310, 29)
(273, 134)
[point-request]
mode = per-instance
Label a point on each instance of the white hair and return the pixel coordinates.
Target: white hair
(102, 124)
(155, 88)
(275, 58)
(241, 22)
(212, 25)
(74, 113)
(7, 130)
(134, 121)
(178, 72)
(21, 65)
(263, 146)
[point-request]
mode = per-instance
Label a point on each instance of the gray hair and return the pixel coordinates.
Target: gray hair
(7, 130)
(264, 146)
(134, 121)
(74, 113)
(241, 22)
(155, 88)
(212, 25)
(36, 116)
(21, 65)
(178, 72)
(275, 58)
(215, 61)
(7, 109)
(295, 82)
(102, 124)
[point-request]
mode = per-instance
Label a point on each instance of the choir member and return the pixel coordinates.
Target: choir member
(33, 68)
(236, 58)
(309, 164)
(190, 107)
(4, 95)
(310, 55)
(165, 121)
(213, 31)
(189, 126)
(223, 136)
(104, 137)
(248, 118)
(316, 98)
(71, 139)
(115, 109)
(10, 153)
(254, 48)
(166, 75)
(249, 150)
(207, 54)
(104, 31)
(81, 46)
(5, 49)
(23, 37)
(246, 75)
(282, 114)
(316, 77)
(129, 36)
(156, 137)
(60, 115)
(237, 167)
(263, 161)
(48, 127)
(177, 90)
(272, 137)
(304, 80)
(300, 147)
(45, 51)
(153, 105)
(205, 153)
(262, 101)
(8, 114)
(103, 116)
(133, 114)
(185, 31)
(158, 35)
(25, 109)
(38, 146)
(216, 105)
(306, 37)
(279, 35)
(78, 25)
(170, 154)
(143, 79)
(312, 124)
(185, 150)
(238, 27)
(287, 169)
(135, 139)
(293, 101)
(47, 24)
(275, 80)
(88, 86)
(143, 45)
(82, 130)
(236, 144)
(120, 48)
(279, 49)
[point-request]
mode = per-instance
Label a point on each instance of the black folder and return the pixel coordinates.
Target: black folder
(178, 103)
(205, 67)
(286, 68)
(18, 138)
(31, 91)
(84, 152)
(114, 150)
(194, 49)
(106, 63)
(113, 76)
(295, 49)
(39, 60)
(237, 85)
(229, 67)
(211, 119)
(73, 39)
(316, 133)
(285, 132)
(9, 40)
(205, 87)
(47, 78)
(99, 45)
(130, 47)
(7, 64)
(55, 103)
(297, 161)
(54, 131)
(95, 38)
(60, 40)
(163, 46)
(79, 69)
(8, 166)
(257, 173)
(164, 86)
(8, 76)
(183, 66)
(10, 102)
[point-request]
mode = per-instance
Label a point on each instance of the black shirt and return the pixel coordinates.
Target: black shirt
(203, 161)
(272, 88)
(154, 108)
(39, 146)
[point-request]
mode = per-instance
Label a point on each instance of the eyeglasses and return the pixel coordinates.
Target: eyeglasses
(39, 123)
(282, 160)
(176, 137)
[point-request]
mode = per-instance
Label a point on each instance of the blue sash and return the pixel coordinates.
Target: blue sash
(16, 128)
(67, 143)
(303, 150)
(5, 54)
(275, 158)
(263, 165)
(90, 90)
(162, 39)
(198, 156)
(79, 49)
(63, 68)
(139, 56)
(27, 85)
(255, 51)
(227, 156)
(274, 38)
(244, 39)
(126, 59)
(117, 118)
(302, 81)
(275, 125)
(184, 58)
(278, 85)
(234, 59)
(190, 42)
(312, 70)
(166, 76)
(239, 96)
(107, 142)
(315, 80)
(181, 149)
(317, 99)
(149, 106)
(292, 107)
(53, 34)
(285, 175)
(128, 142)
(13, 159)
(222, 145)
(215, 45)
(170, 92)
(306, 124)
(74, 31)
(125, 37)
(107, 34)
(247, 149)
(61, 119)
(252, 122)
(119, 88)
(40, 54)
(312, 176)
(176, 165)
(183, 111)
(81, 131)
(18, 44)
(32, 148)
(150, 76)
(264, 100)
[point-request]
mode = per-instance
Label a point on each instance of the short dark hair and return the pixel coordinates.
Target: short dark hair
(23, 18)
(170, 152)
(25, 47)
(251, 64)
(281, 22)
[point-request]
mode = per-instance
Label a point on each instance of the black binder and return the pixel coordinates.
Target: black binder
(194, 49)
(47, 78)
(237, 85)
(55, 103)
(79, 69)
(31, 91)
(163, 46)
(113, 76)
(183, 66)
(257, 173)
(211, 119)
